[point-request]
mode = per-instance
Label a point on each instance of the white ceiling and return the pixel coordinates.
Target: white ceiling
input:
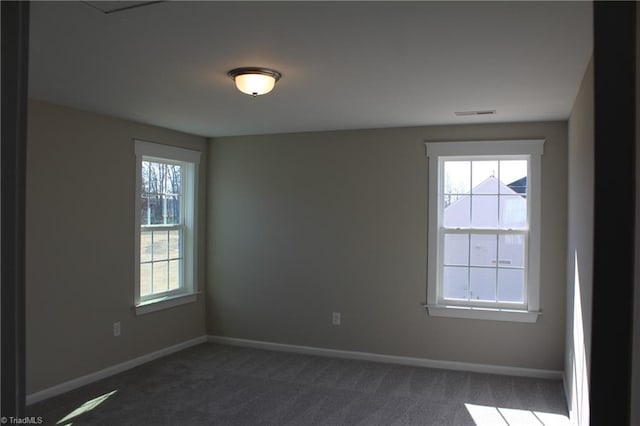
(345, 65)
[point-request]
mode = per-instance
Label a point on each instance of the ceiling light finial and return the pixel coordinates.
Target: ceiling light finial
(254, 81)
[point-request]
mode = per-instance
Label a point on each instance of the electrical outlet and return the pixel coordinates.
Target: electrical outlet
(116, 329)
(335, 318)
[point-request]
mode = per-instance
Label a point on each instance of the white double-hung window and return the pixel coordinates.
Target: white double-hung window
(484, 229)
(165, 226)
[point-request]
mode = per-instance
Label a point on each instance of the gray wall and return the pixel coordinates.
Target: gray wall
(580, 250)
(80, 246)
(301, 225)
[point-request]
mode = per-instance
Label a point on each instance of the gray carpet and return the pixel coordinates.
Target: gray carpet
(214, 384)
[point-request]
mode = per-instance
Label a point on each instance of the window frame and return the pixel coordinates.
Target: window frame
(189, 161)
(437, 153)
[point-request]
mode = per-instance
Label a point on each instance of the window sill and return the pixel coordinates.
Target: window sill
(480, 313)
(164, 303)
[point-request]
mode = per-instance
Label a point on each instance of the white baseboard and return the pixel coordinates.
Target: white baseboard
(391, 359)
(309, 350)
(110, 371)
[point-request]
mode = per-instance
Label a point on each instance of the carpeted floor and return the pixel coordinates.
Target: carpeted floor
(214, 384)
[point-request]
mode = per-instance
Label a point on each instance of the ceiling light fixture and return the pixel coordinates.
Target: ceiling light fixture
(254, 81)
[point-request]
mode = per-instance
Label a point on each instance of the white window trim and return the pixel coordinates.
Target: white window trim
(164, 302)
(188, 294)
(532, 148)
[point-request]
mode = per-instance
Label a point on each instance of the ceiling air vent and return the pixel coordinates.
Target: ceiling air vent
(480, 112)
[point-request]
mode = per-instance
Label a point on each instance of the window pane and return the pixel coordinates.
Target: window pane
(145, 279)
(155, 213)
(160, 276)
(484, 211)
(483, 250)
(144, 210)
(160, 245)
(457, 214)
(172, 209)
(174, 179)
(513, 211)
(146, 246)
(511, 250)
(454, 283)
(174, 274)
(456, 249)
(457, 177)
(484, 177)
(483, 284)
(511, 285)
(174, 244)
(513, 174)
(145, 176)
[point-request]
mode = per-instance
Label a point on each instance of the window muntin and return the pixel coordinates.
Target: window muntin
(165, 225)
(484, 229)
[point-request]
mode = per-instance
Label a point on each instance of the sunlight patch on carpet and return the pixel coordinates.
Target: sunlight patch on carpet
(86, 407)
(484, 415)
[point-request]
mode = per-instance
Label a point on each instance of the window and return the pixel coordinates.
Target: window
(165, 226)
(484, 229)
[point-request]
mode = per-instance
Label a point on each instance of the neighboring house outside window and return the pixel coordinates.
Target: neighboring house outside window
(165, 226)
(484, 229)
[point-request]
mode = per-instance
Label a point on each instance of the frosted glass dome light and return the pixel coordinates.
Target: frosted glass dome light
(254, 81)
